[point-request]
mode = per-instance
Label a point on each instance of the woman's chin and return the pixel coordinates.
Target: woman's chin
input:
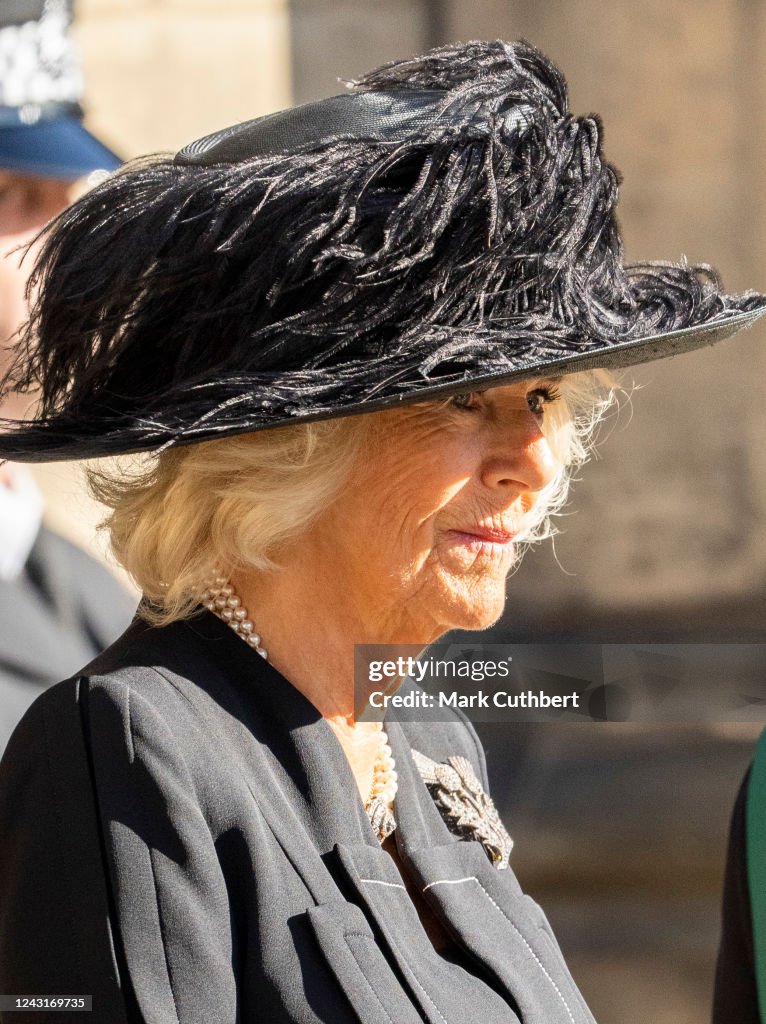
(475, 606)
(479, 619)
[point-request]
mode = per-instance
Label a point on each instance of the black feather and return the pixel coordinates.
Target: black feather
(181, 301)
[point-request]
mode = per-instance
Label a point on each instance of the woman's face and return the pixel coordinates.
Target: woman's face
(422, 536)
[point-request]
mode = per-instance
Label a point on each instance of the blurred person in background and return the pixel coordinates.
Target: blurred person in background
(57, 604)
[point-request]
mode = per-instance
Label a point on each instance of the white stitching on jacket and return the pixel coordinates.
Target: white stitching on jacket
(452, 881)
(377, 881)
(540, 964)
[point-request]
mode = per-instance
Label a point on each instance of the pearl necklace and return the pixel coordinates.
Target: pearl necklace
(384, 786)
(220, 599)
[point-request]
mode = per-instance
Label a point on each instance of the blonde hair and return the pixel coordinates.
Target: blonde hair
(229, 504)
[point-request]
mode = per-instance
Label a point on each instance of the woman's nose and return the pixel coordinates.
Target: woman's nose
(522, 459)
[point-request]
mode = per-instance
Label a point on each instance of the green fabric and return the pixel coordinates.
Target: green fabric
(756, 866)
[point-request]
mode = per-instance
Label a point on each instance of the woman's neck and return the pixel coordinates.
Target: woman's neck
(310, 631)
(361, 745)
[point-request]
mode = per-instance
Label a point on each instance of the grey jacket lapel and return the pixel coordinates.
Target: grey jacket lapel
(305, 789)
(427, 976)
(482, 906)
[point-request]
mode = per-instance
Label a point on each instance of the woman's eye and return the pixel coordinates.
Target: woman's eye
(540, 397)
(464, 400)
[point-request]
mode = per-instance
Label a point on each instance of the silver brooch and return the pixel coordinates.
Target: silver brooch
(466, 808)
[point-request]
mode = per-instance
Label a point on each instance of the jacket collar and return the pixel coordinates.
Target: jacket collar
(305, 789)
(328, 780)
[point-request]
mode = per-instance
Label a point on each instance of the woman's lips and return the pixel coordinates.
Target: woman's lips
(478, 536)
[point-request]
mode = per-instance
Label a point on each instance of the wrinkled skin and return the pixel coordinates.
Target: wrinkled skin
(390, 561)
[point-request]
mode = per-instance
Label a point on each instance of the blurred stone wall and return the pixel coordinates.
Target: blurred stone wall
(160, 73)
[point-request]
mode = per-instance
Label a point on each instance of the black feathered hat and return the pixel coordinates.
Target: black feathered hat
(446, 226)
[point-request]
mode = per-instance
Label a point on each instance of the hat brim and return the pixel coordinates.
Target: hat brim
(60, 148)
(268, 400)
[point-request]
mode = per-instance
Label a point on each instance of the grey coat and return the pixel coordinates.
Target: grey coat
(183, 840)
(61, 611)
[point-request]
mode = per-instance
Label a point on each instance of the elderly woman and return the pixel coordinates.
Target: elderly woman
(196, 827)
